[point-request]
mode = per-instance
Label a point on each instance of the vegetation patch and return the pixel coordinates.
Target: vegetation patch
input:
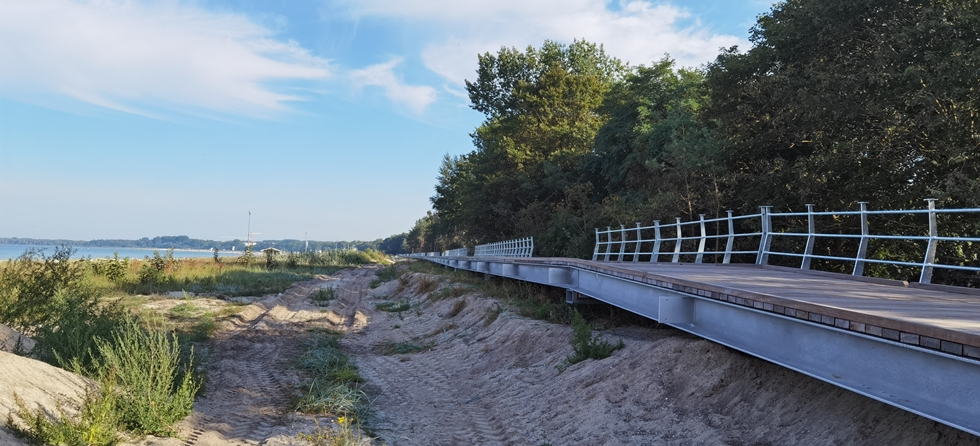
(323, 296)
(426, 284)
(394, 306)
(385, 274)
(587, 346)
(406, 347)
(334, 386)
(457, 308)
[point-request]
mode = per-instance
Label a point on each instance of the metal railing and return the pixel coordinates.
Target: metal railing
(458, 252)
(741, 232)
(523, 247)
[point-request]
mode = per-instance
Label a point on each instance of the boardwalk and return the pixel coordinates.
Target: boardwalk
(914, 346)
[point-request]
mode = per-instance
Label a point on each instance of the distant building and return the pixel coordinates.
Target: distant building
(271, 251)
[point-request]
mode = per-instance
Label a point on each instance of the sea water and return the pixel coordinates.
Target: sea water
(14, 251)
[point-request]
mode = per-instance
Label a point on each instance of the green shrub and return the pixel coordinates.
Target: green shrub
(155, 389)
(95, 424)
(323, 296)
(32, 285)
(587, 346)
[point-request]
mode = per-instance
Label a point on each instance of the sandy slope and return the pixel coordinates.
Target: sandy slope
(498, 384)
(37, 385)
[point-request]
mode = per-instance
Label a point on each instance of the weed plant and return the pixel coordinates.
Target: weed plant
(457, 308)
(385, 274)
(426, 284)
(323, 296)
(97, 422)
(334, 380)
(348, 433)
(395, 306)
(587, 346)
(405, 347)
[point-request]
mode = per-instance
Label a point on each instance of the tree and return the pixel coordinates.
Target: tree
(854, 100)
(542, 115)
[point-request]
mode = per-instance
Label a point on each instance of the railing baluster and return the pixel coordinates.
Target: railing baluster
(656, 242)
(595, 253)
(862, 251)
(704, 239)
(677, 244)
(926, 276)
(731, 239)
(622, 242)
(811, 237)
(636, 251)
(762, 258)
(609, 245)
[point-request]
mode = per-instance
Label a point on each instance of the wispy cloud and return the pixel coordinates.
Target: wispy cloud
(139, 57)
(637, 31)
(414, 97)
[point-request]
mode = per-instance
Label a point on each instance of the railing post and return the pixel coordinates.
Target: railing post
(731, 239)
(622, 242)
(926, 276)
(811, 236)
(595, 254)
(636, 252)
(656, 242)
(608, 245)
(704, 239)
(862, 252)
(530, 252)
(677, 244)
(762, 258)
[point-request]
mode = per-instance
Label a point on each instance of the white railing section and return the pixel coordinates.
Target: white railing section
(458, 252)
(523, 247)
(649, 242)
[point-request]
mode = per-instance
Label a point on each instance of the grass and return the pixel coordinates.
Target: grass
(405, 347)
(395, 306)
(334, 386)
(426, 284)
(457, 308)
(323, 296)
(385, 274)
(348, 433)
(492, 313)
(587, 346)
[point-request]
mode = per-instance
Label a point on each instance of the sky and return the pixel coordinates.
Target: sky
(316, 119)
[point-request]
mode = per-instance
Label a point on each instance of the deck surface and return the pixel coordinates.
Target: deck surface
(942, 318)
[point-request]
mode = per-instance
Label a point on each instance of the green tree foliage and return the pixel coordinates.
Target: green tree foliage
(655, 157)
(836, 102)
(840, 101)
(542, 115)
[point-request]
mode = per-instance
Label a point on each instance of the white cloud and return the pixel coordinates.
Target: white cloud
(139, 57)
(636, 31)
(415, 97)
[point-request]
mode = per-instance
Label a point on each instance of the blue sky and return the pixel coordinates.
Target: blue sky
(326, 119)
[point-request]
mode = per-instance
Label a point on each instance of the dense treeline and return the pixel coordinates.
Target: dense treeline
(835, 102)
(390, 245)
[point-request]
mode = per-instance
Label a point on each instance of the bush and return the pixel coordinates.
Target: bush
(587, 346)
(323, 296)
(32, 285)
(153, 386)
